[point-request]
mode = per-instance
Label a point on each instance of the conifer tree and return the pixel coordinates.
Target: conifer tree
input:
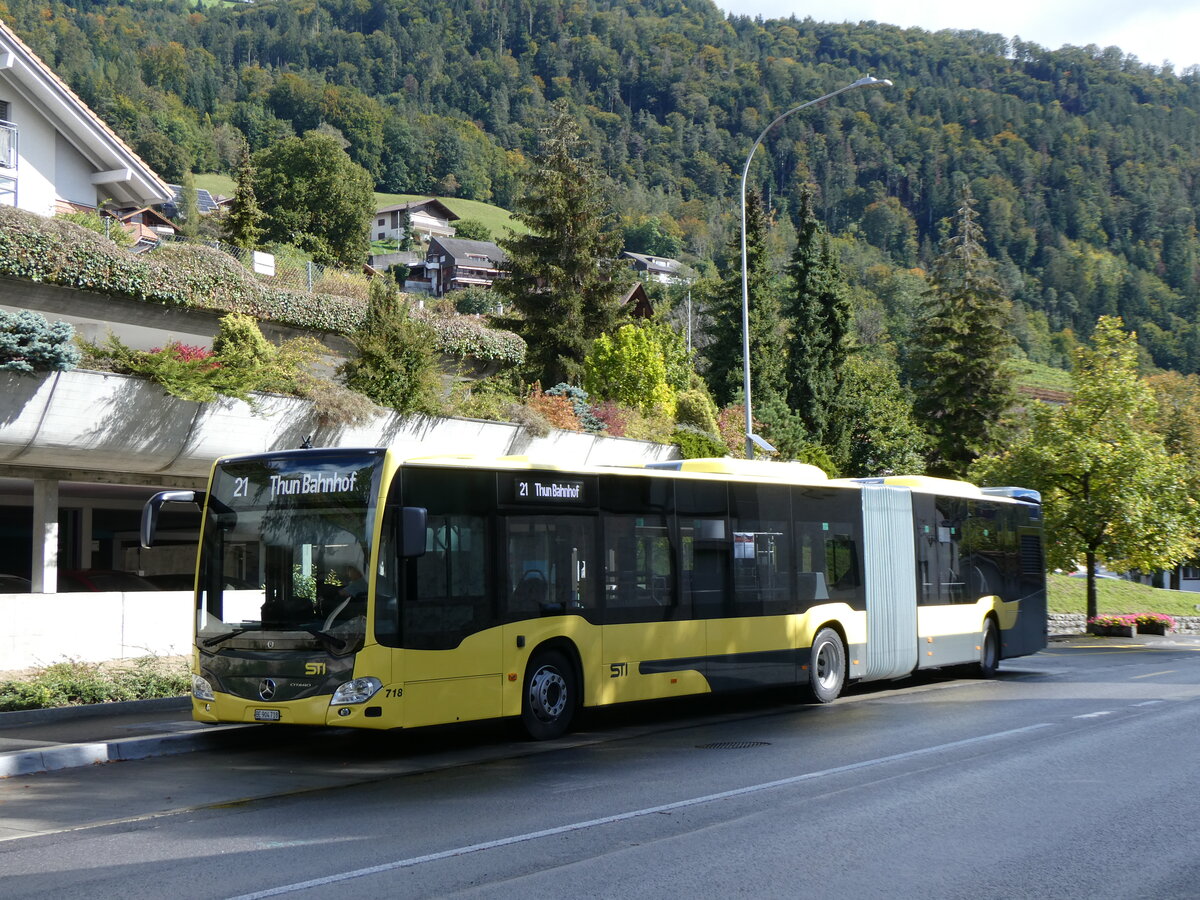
(241, 226)
(961, 379)
(564, 276)
(768, 384)
(188, 213)
(819, 311)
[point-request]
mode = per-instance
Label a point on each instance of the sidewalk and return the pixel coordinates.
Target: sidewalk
(41, 740)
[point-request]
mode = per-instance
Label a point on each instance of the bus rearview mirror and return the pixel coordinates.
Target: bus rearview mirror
(154, 504)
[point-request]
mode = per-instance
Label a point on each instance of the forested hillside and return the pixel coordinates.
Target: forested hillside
(1085, 163)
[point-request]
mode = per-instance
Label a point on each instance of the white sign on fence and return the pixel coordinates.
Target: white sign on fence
(264, 263)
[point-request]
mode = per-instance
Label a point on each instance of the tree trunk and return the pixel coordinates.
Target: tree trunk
(1090, 558)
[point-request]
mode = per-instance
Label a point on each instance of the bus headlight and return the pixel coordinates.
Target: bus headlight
(201, 689)
(360, 690)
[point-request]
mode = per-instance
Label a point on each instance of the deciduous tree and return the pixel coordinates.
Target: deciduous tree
(314, 196)
(1112, 493)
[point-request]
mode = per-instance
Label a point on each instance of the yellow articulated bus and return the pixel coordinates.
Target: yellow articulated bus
(396, 593)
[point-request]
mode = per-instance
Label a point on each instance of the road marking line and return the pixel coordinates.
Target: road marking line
(632, 814)
(1095, 715)
(1153, 674)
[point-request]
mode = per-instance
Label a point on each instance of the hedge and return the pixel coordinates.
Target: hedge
(55, 251)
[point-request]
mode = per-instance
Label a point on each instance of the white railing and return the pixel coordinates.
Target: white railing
(8, 145)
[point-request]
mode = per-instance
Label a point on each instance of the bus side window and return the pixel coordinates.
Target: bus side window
(637, 562)
(762, 550)
(548, 565)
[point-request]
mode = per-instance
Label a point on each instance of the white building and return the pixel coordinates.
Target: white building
(55, 153)
(427, 218)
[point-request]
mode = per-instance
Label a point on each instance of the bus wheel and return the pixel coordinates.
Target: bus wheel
(989, 650)
(826, 666)
(549, 699)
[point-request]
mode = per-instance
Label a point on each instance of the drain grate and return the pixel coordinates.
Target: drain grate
(732, 745)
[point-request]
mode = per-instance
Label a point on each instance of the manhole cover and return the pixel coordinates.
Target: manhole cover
(732, 745)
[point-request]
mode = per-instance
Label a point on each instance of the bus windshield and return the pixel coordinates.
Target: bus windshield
(286, 550)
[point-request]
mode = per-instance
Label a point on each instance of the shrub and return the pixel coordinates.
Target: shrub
(580, 405)
(395, 364)
(474, 300)
(242, 360)
(73, 683)
(613, 416)
(693, 443)
(493, 398)
(107, 226)
(695, 407)
(28, 344)
(531, 420)
(556, 409)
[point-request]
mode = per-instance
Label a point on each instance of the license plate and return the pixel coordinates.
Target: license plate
(266, 715)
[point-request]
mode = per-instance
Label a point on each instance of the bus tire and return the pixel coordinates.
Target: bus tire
(549, 696)
(989, 650)
(826, 666)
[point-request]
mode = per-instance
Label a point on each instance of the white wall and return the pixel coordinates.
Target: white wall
(42, 629)
(36, 140)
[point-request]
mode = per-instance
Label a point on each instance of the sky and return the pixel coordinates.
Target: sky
(1152, 30)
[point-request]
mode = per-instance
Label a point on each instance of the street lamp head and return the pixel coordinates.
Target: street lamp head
(753, 440)
(871, 81)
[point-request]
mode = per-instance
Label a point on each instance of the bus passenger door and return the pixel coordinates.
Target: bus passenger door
(451, 667)
(652, 647)
(891, 590)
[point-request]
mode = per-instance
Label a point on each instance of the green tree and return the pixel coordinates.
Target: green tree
(241, 226)
(962, 380)
(315, 197)
(1111, 492)
(630, 368)
(472, 230)
(884, 437)
(767, 343)
(394, 364)
(29, 344)
(189, 210)
(818, 306)
(564, 276)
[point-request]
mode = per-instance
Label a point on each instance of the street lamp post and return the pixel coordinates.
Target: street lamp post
(752, 439)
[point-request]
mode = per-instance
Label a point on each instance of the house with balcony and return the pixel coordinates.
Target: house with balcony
(454, 263)
(662, 269)
(427, 219)
(55, 153)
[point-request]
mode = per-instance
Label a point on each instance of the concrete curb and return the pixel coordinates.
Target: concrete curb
(19, 717)
(68, 756)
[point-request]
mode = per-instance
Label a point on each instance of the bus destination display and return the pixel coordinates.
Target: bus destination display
(546, 490)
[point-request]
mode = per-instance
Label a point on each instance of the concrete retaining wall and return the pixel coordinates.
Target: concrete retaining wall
(40, 629)
(1076, 623)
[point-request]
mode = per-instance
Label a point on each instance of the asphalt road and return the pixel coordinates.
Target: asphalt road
(1072, 774)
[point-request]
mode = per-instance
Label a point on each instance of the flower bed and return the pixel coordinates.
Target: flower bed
(1130, 624)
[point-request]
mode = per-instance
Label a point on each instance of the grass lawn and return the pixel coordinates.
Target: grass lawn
(498, 221)
(1116, 597)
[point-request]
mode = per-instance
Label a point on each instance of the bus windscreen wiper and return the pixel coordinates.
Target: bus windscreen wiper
(334, 643)
(224, 636)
